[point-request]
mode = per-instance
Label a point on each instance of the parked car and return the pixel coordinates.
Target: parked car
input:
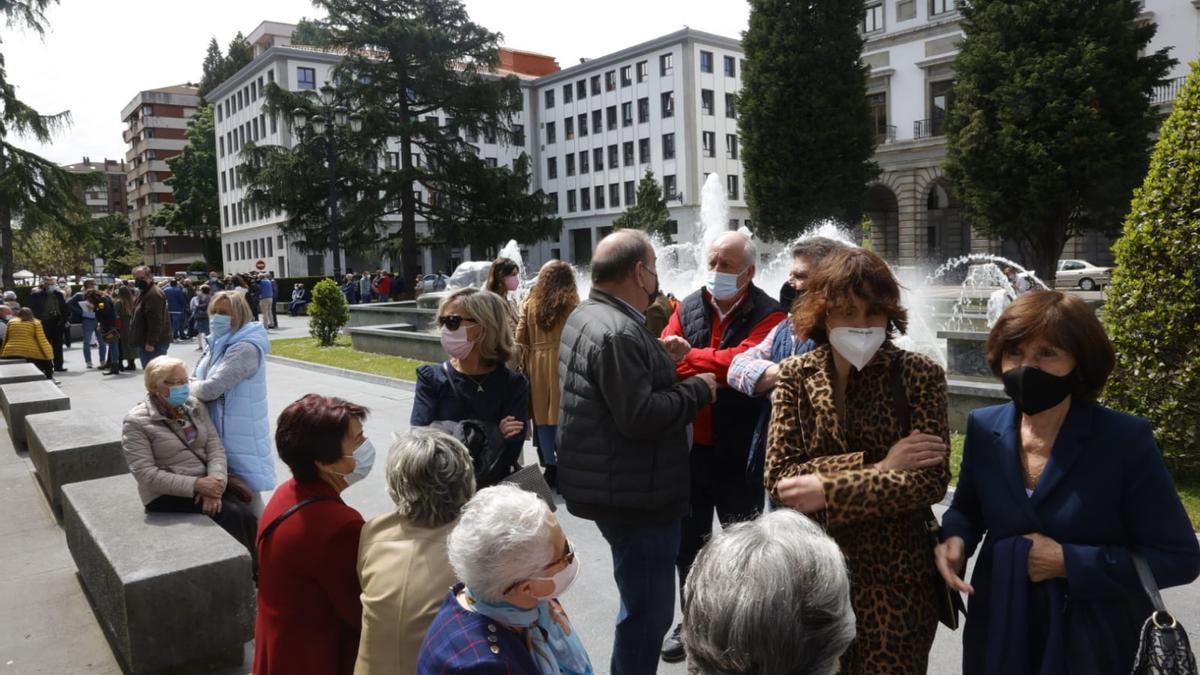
(1081, 274)
(434, 282)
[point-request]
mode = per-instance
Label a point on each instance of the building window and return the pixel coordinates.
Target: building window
(643, 69)
(220, 113)
(733, 223)
(941, 97)
(643, 110)
(568, 93)
(706, 101)
(595, 85)
(274, 125)
(706, 62)
(670, 190)
(583, 126)
(597, 119)
(491, 162)
(585, 199)
(571, 164)
(643, 151)
(610, 113)
(306, 78)
(709, 139)
(730, 106)
(598, 159)
(668, 146)
(731, 186)
(610, 80)
(554, 201)
(630, 193)
(569, 128)
(472, 135)
(877, 103)
(253, 91)
(551, 167)
(391, 161)
(518, 135)
(731, 146)
(551, 136)
(271, 80)
(668, 104)
(941, 6)
(665, 65)
(612, 157)
(627, 114)
(581, 89)
(627, 152)
(221, 145)
(873, 18)
(549, 98)
(225, 214)
(906, 10)
(730, 66)
(614, 195)
(599, 197)
(571, 201)
(224, 187)
(626, 76)
(584, 165)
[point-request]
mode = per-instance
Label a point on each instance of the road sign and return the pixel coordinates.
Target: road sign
(260, 265)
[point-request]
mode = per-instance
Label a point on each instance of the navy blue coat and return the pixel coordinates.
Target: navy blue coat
(462, 642)
(1105, 490)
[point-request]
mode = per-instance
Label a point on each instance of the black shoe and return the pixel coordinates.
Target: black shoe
(110, 372)
(60, 370)
(551, 476)
(672, 649)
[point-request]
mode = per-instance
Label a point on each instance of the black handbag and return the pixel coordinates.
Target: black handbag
(483, 440)
(1163, 647)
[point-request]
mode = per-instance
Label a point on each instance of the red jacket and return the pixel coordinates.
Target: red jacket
(384, 286)
(309, 613)
(711, 359)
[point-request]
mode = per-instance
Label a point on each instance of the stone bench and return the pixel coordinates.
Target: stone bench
(18, 372)
(170, 590)
(29, 398)
(67, 447)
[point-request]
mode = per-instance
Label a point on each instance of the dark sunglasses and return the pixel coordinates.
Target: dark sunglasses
(453, 321)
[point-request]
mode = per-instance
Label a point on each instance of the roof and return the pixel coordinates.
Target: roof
(669, 39)
(182, 89)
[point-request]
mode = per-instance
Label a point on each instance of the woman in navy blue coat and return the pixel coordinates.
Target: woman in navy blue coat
(1061, 491)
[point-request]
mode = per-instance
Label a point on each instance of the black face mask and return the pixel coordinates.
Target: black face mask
(787, 296)
(1035, 390)
(142, 284)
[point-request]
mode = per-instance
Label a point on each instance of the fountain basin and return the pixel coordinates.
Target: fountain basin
(397, 339)
(966, 395)
(965, 354)
(387, 313)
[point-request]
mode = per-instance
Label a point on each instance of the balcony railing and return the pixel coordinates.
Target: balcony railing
(935, 126)
(885, 135)
(1167, 91)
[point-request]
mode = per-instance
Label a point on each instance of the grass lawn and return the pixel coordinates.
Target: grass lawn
(1188, 486)
(340, 355)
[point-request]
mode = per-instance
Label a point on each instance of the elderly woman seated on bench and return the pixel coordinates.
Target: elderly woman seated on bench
(175, 453)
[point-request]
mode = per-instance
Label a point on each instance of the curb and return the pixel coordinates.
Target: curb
(343, 372)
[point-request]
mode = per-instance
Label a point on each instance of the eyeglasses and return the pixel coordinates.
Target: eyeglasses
(566, 558)
(453, 321)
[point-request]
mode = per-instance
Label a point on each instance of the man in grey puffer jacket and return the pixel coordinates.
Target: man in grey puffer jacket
(623, 458)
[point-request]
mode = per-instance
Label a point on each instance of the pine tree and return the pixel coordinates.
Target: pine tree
(805, 127)
(218, 67)
(196, 211)
(649, 214)
(1051, 126)
(1153, 306)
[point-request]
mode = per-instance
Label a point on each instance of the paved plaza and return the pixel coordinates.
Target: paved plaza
(46, 625)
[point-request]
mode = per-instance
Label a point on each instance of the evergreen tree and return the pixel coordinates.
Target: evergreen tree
(218, 67)
(1153, 305)
(649, 214)
(32, 189)
(805, 126)
(196, 211)
(1051, 127)
(409, 63)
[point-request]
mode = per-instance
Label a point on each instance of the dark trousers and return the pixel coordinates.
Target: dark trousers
(719, 483)
(54, 334)
(114, 356)
(46, 367)
(235, 516)
(159, 350)
(643, 567)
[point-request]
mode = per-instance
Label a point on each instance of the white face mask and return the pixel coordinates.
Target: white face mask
(364, 459)
(722, 285)
(857, 345)
(562, 580)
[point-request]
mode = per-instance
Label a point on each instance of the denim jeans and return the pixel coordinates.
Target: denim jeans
(114, 356)
(644, 569)
(547, 435)
(159, 350)
(90, 331)
(177, 326)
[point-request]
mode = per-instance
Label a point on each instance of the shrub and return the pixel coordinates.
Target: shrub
(327, 313)
(1153, 305)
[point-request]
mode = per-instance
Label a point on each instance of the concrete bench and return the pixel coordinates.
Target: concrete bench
(171, 590)
(17, 372)
(29, 398)
(67, 447)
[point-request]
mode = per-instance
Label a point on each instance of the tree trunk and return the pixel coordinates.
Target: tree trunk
(6, 233)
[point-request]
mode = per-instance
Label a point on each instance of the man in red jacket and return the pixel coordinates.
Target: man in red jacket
(721, 320)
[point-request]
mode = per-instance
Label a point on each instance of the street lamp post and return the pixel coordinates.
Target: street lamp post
(322, 128)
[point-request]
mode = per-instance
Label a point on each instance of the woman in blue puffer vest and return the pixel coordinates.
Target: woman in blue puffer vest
(231, 378)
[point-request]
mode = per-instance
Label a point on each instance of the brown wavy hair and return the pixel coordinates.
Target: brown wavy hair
(842, 273)
(554, 296)
(501, 268)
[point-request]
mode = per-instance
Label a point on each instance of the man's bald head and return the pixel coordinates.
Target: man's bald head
(618, 254)
(732, 252)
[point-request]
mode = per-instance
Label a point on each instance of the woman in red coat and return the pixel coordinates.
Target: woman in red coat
(309, 614)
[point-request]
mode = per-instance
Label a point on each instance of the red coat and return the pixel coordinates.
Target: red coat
(309, 613)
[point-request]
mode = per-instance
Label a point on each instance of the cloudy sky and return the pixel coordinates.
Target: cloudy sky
(98, 54)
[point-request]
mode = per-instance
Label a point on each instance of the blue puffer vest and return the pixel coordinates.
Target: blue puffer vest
(241, 415)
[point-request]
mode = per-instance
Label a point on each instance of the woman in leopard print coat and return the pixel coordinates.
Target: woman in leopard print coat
(837, 451)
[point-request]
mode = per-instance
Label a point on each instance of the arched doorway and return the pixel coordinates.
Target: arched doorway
(946, 235)
(881, 206)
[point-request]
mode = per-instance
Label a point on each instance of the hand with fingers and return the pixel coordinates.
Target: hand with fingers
(950, 558)
(918, 450)
(676, 346)
(511, 426)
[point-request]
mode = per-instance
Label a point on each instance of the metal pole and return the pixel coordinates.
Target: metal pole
(331, 159)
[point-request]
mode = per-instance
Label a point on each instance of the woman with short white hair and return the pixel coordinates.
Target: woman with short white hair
(514, 561)
(402, 562)
(769, 596)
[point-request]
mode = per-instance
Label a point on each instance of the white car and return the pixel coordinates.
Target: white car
(1081, 274)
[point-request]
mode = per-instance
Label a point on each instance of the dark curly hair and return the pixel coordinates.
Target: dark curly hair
(503, 267)
(554, 296)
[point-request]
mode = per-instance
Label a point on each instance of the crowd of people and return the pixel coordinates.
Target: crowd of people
(818, 443)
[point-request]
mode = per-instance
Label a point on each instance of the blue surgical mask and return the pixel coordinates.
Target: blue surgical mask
(219, 324)
(364, 459)
(722, 285)
(178, 396)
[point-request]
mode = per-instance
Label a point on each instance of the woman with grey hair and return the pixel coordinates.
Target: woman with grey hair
(402, 563)
(770, 597)
(514, 561)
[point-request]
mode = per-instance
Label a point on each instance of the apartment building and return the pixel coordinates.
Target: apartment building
(155, 130)
(910, 48)
(107, 197)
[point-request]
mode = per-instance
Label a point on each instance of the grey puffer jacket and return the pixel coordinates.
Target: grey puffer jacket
(623, 447)
(158, 457)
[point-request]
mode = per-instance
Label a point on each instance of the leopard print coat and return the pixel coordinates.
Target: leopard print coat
(877, 517)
